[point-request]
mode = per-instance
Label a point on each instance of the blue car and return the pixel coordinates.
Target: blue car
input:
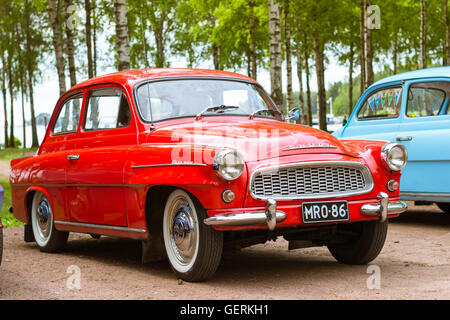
(412, 109)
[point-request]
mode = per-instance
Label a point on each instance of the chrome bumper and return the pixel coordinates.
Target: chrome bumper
(383, 207)
(270, 216)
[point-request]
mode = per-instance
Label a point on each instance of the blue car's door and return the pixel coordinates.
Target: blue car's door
(425, 132)
(376, 116)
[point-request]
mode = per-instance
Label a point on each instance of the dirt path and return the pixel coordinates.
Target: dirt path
(414, 264)
(4, 169)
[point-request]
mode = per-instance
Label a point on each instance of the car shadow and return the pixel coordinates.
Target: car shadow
(424, 215)
(116, 251)
(244, 266)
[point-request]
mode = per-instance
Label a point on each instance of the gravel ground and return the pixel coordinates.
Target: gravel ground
(414, 264)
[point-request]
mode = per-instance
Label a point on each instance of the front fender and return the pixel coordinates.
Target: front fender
(186, 167)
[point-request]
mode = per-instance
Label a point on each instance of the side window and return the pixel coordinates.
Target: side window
(68, 116)
(382, 104)
(107, 109)
(426, 99)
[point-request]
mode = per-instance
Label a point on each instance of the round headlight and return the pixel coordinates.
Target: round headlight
(395, 156)
(229, 164)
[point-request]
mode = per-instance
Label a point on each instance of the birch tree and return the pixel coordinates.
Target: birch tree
(275, 52)
(122, 39)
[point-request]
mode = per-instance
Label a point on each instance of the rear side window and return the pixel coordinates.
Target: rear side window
(382, 104)
(69, 116)
(426, 99)
(107, 109)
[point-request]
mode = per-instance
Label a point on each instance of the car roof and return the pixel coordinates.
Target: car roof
(131, 77)
(417, 74)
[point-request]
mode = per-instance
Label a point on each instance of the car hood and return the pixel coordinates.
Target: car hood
(256, 139)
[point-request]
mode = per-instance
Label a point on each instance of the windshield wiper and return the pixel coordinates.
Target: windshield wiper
(274, 112)
(217, 109)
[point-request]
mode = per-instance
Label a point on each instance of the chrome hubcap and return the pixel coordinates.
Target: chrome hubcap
(182, 232)
(43, 218)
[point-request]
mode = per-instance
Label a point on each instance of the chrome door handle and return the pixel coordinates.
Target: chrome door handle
(72, 157)
(404, 138)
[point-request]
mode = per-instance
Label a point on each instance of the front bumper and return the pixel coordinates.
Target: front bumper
(290, 216)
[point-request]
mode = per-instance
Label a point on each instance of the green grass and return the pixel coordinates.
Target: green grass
(6, 155)
(8, 219)
(11, 153)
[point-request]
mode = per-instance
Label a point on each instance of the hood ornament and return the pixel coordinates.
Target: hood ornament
(310, 146)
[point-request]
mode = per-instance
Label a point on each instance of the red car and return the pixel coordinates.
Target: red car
(191, 161)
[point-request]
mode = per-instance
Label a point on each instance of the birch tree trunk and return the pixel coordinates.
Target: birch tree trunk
(423, 49)
(369, 51)
(447, 35)
(55, 24)
(362, 45)
(94, 38)
(287, 46)
(308, 90)
(122, 39)
(275, 52)
(251, 21)
(12, 143)
(87, 6)
(70, 29)
(5, 107)
(320, 73)
(350, 80)
(300, 81)
(29, 79)
(22, 91)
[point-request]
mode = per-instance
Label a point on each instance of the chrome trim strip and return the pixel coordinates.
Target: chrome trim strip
(375, 209)
(99, 226)
(430, 195)
(242, 218)
(168, 165)
(309, 147)
(368, 178)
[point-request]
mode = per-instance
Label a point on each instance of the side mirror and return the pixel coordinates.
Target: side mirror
(294, 114)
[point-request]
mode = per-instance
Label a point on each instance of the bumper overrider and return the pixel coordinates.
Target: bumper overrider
(381, 208)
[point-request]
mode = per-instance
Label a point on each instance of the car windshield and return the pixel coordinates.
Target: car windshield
(168, 99)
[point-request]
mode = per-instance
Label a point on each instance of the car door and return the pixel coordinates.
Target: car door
(377, 114)
(96, 192)
(425, 132)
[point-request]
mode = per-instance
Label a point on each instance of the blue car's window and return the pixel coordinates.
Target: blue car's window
(426, 99)
(382, 104)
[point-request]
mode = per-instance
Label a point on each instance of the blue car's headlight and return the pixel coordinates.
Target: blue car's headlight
(394, 156)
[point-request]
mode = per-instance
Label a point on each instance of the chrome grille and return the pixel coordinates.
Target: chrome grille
(311, 181)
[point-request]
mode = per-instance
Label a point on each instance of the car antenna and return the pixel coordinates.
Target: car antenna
(152, 127)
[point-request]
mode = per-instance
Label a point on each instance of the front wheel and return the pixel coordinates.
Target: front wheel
(359, 243)
(46, 236)
(193, 249)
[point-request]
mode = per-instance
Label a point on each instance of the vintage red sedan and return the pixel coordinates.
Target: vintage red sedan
(191, 161)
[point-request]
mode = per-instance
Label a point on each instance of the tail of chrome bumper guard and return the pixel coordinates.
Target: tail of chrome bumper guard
(383, 207)
(270, 216)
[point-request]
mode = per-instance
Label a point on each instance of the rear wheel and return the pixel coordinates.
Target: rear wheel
(444, 206)
(46, 236)
(193, 249)
(363, 242)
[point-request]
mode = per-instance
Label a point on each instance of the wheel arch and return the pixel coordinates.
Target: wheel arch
(29, 195)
